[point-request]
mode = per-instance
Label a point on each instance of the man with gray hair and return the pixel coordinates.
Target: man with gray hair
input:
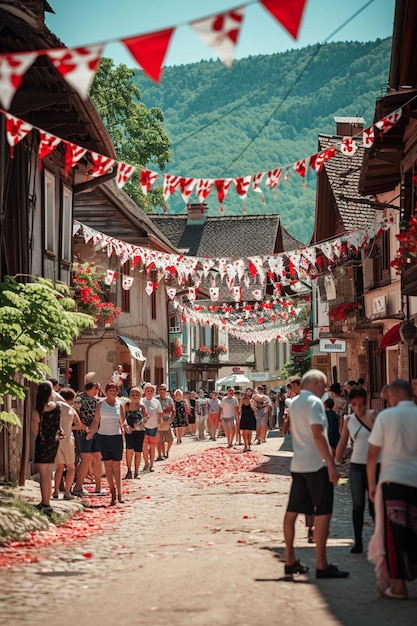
(313, 475)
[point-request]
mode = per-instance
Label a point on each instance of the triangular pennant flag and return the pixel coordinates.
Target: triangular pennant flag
(47, 144)
(389, 121)
(127, 282)
(171, 292)
(273, 178)
(300, 168)
(101, 164)
(75, 228)
(171, 182)
(222, 186)
(257, 179)
(149, 51)
(77, 65)
(186, 187)
(110, 274)
(12, 69)
(221, 33)
(204, 186)
(16, 130)
(73, 154)
(214, 294)
(242, 185)
(124, 172)
(368, 137)
(317, 160)
(147, 179)
(236, 293)
(192, 293)
(287, 12)
(348, 146)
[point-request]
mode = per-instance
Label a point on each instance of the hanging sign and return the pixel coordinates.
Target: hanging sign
(332, 345)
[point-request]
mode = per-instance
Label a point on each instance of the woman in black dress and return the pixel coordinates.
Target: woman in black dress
(180, 418)
(247, 419)
(46, 426)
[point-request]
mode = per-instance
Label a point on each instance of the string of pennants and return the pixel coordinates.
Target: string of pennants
(287, 268)
(78, 65)
(17, 129)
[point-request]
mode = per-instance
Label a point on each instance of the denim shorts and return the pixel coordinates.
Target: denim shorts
(87, 445)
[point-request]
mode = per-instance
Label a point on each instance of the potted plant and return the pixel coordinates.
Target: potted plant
(89, 294)
(218, 351)
(175, 350)
(204, 352)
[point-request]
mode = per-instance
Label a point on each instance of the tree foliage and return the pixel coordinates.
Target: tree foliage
(137, 132)
(296, 368)
(35, 318)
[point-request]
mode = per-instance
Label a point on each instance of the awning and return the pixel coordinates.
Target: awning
(133, 348)
(391, 337)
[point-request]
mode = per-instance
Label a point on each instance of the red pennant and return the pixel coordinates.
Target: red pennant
(149, 51)
(147, 179)
(124, 172)
(288, 13)
(73, 154)
(101, 164)
(47, 144)
(222, 186)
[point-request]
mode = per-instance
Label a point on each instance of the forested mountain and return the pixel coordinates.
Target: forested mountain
(264, 113)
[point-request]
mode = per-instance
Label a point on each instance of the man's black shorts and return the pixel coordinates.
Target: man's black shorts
(311, 493)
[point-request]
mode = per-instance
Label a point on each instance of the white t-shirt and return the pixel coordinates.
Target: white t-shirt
(306, 409)
(228, 406)
(109, 418)
(395, 432)
(360, 435)
(153, 407)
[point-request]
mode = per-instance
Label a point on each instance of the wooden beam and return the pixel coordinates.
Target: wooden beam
(90, 184)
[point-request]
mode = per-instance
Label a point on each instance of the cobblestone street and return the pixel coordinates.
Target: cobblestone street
(199, 548)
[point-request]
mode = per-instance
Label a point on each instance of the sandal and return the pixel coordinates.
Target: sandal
(388, 593)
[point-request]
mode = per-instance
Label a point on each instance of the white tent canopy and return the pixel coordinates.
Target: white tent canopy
(233, 380)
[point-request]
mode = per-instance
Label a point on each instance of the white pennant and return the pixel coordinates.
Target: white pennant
(221, 33)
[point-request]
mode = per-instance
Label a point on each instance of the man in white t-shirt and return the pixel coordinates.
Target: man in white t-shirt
(313, 474)
(229, 411)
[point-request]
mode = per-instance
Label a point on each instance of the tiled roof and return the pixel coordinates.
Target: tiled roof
(343, 174)
(232, 236)
(240, 353)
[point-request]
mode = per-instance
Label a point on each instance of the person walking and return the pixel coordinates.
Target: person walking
(109, 424)
(357, 427)
(201, 414)
(151, 420)
(65, 457)
(260, 406)
(165, 437)
(313, 475)
(180, 418)
(213, 415)
(393, 547)
(135, 414)
(247, 419)
(229, 411)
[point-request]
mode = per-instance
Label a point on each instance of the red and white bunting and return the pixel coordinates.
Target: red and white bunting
(147, 179)
(204, 186)
(214, 294)
(101, 164)
(300, 168)
(258, 294)
(186, 187)
(242, 185)
(110, 276)
(221, 33)
(170, 184)
(389, 121)
(348, 147)
(171, 292)
(236, 293)
(16, 130)
(192, 293)
(47, 144)
(368, 137)
(222, 186)
(149, 51)
(77, 65)
(317, 160)
(127, 282)
(288, 14)
(257, 179)
(274, 177)
(73, 154)
(12, 69)
(124, 172)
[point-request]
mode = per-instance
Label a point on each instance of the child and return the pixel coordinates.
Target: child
(65, 457)
(334, 424)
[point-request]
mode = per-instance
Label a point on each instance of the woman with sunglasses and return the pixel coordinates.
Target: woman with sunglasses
(247, 419)
(109, 421)
(357, 427)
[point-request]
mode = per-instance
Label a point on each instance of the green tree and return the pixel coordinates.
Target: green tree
(35, 318)
(137, 132)
(294, 368)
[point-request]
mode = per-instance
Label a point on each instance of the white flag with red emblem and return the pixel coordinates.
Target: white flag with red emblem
(171, 292)
(47, 144)
(242, 185)
(147, 179)
(171, 182)
(257, 179)
(186, 186)
(127, 282)
(221, 33)
(368, 137)
(317, 160)
(389, 121)
(77, 65)
(300, 167)
(214, 294)
(16, 130)
(348, 146)
(110, 274)
(204, 186)
(124, 172)
(274, 177)
(222, 186)
(192, 293)
(101, 164)
(236, 293)
(12, 69)
(73, 154)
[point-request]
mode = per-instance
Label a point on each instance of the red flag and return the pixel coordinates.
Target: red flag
(222, 186)
(147, 179)
(288, 13)
(47, 144)
(73, 154)
(149, 51)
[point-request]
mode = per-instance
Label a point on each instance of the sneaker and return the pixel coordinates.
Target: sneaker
(128, 475)
(79, 493)
(332, 571)
(296, 568)
(100, 492)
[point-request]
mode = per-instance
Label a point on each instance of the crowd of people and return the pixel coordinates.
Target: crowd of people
(80, 432)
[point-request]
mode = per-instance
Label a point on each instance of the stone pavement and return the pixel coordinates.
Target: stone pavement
(202, 548)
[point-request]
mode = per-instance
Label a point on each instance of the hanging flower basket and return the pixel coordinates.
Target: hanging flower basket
(175, 350)
(204, 352)
(89, 293)
(407, 251)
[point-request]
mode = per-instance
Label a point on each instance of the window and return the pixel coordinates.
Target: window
(125, 300)
(49, 189)
(175, 320)
(66, 224)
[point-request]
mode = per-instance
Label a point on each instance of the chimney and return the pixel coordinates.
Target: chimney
(197, 214)
(349, 126)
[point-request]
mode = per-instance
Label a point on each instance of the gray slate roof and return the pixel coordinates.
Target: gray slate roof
(343, 174)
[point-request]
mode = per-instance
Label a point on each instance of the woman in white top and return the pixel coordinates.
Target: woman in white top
(213, 414)
(109, 421)
(357, 427)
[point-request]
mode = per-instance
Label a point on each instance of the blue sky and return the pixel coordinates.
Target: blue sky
(79, 22)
